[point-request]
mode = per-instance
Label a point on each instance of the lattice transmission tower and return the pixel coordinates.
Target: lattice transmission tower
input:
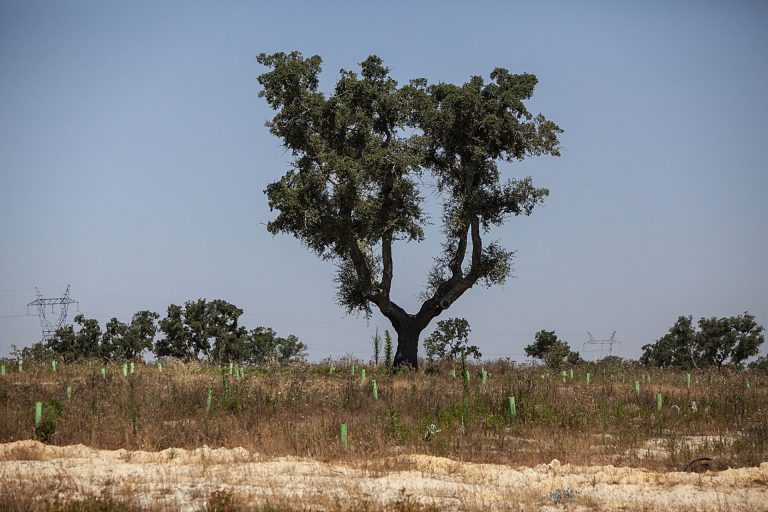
(47, 322)
(593, 344)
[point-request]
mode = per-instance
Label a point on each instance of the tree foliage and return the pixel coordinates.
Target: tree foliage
(760, 364)
(553, 351)
(211, 330)
(118, 341)
(360, 156)
(727, 341)
(200, 329)
(450, 341)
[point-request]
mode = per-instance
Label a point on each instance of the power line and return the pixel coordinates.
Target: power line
(14, 316)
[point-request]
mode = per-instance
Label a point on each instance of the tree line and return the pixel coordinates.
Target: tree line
(718, 342)
(198, 330)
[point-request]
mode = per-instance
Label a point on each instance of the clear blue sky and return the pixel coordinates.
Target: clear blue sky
(133, 156)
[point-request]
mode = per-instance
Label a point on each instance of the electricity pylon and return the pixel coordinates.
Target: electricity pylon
(593, 344)
(50, 326)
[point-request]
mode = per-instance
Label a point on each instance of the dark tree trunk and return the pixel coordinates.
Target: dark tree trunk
(407, 345)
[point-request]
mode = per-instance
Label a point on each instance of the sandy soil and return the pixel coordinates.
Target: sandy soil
(181, 479)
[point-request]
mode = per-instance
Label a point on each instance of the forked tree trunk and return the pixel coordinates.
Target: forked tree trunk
(407, 346)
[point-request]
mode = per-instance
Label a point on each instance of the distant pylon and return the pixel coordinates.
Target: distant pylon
(593, 343)
(50, 327)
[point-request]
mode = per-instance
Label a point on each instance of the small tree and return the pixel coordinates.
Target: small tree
(376, 347)
(450, 341)
(552, 350)
(83, 344)
(388, 349)
(134, 338)
(175, 343)
(676, 348)
(113, 340)
(38, 352)
(200, 328)
(265, 346)
(729, 341)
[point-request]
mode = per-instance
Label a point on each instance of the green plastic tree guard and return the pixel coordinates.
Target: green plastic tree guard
(484, 377)
(38, 413)
(132, 367)
(375, 389)
(160, 367)
(125, 369)
(53, 366)
(688, 379)
(637, 387)
(209, 399)
(571, 373)
(69, 393)
(589, 377)
(2, 370)
(565, 375)
(512, 407)
(362, 377)
(659, 401)
(344, 432)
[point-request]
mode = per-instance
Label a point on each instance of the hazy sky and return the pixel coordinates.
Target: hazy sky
(133, 159)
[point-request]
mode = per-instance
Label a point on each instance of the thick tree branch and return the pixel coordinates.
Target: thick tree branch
(386, 239)
(454, 287)
(386, 259)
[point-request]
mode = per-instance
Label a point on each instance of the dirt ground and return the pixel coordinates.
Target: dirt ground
(177, 479)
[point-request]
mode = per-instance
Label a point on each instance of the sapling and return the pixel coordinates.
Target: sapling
(376, 347)
(388, 349)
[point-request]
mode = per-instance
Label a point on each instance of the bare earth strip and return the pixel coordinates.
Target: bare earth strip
(180, 479)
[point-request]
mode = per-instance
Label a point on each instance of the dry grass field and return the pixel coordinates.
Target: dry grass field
(270, 440)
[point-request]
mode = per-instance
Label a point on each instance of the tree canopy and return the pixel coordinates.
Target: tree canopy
(200, 328)
(552, 350)
(450, 341)
(211, 329)
(727, 341)
(360, 155)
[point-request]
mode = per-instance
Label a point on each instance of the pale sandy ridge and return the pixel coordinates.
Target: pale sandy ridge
(178, 479)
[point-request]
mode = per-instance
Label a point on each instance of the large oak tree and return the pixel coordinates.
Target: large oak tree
(359, 155)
